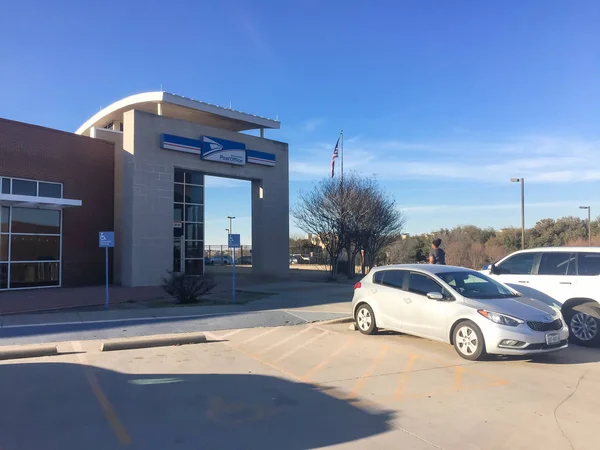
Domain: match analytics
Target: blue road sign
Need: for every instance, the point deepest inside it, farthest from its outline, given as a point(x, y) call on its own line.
point(106, 239)
point(234, 241)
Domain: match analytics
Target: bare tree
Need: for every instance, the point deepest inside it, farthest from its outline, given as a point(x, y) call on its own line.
point(349, 216)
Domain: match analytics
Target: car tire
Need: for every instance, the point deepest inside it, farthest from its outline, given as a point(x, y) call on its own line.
point(468, 341)
point(365, 319)
point(584, 330)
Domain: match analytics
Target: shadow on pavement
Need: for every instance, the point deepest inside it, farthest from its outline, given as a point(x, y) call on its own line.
point(71, 406)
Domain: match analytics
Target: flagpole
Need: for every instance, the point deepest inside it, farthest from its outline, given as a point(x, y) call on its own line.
point(342, 151)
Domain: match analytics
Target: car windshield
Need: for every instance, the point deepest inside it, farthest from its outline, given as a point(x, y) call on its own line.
point(475, 285)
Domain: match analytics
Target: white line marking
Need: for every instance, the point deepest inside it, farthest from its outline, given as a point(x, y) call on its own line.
point(301, 346)
point(283, 341)
point(258, 336)
point(292, 314)
point(226, 335)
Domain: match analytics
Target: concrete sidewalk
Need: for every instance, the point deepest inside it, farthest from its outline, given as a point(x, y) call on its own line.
point(302, 296)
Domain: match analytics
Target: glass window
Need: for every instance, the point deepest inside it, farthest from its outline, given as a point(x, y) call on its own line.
point(53, 190)
point(194, 249)
point(3, 247)
point(475, 285)
point(3, 276)
point(4, 216)
point(24, 187)
point(178, 193)
point(178, 212)
point(6, 185)
point(34, 248)
point(35, 221)
point(194, 231)
point(194, 194)
point(194, 178)
point(521, 264)
point(423, 285)
point(394, 278)
point(179, 175)
point(559, 263)
point(177, 232)
point(194, 213)
point(194, 266)
point(589, 263)
point(24, 275)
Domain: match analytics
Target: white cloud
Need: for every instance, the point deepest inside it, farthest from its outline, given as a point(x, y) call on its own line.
point(539, 159)
point(219, 182)
point(312, 124)
point(428, 209)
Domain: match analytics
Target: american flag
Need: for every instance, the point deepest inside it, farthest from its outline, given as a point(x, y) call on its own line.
point(333, 157)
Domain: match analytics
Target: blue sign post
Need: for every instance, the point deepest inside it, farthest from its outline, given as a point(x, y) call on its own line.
point(233, 242)
point(106, 239)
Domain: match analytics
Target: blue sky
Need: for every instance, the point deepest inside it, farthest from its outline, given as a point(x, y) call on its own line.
point(442, 101)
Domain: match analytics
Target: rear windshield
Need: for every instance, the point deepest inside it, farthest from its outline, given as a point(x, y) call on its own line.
point(589, 263)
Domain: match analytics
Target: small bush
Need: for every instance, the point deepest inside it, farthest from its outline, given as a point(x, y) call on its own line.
point(186, 288)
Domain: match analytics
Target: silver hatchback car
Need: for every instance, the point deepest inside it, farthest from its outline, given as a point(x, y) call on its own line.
point(459, 306)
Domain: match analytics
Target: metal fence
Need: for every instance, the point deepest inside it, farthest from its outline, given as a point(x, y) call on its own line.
point(243, 255)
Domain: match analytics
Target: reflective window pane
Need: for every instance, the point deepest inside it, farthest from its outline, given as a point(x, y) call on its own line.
point(589, 264)
point(24, 275)
point(178, 193)
point(24, 187)
point(6, 185)
point(52, 190)
point(178, 212)
point(3, 276)
point(194, 178)
point(194, 249)
point(194, 266)
point(3, 247)
point(4, 216)
point(194, 194)
point(34, 248)
point(37, 221)
point(179, 175)
point(194, 231)
point(177, 232)
point(194, 213)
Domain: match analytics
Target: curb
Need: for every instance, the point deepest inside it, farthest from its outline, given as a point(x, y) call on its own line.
point(340, 320)
point(29, 352)
point(153, 341)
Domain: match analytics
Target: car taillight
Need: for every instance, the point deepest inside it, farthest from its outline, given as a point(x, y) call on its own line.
point(357, 286)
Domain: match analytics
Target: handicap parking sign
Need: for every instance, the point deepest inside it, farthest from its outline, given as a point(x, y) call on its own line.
point(106, 239)
point(234, 241)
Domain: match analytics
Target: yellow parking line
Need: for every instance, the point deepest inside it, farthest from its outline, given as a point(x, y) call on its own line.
point(258, 336)
point(404, 376)
point(458, 377)
point(308, 376)
point(301, 346)
point(283, 341)
point(363, 379)
point(109, 411)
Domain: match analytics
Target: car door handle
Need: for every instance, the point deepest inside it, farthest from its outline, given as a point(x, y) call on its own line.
point(565, 282)
point(524, 282)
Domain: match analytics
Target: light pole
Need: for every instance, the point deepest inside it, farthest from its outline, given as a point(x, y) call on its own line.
point(522, 181)
point(230, 224)
point(589, 210)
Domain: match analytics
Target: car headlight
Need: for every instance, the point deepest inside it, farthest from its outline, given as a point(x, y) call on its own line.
point(501, 319)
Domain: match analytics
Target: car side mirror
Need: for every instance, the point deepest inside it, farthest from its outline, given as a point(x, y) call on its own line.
point(435, 296)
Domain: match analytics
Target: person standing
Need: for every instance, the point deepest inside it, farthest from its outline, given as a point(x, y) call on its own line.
point(437, 255)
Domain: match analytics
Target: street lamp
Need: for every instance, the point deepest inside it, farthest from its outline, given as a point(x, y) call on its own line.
point(230, 224)
point(522, 181)
point(589, 210)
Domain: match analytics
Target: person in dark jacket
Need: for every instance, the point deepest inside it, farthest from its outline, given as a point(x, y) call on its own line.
point(437, 255)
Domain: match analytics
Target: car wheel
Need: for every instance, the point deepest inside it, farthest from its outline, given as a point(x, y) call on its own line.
point(584, 329)
point(365, 319)
point(468, 341)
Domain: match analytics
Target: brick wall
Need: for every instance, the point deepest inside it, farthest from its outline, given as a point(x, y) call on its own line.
point(85, 166)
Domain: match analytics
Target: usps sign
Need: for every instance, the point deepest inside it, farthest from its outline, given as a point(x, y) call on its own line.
point(223, 151)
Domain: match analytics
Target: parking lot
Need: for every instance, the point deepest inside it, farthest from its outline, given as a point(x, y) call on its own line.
point(299, 387)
